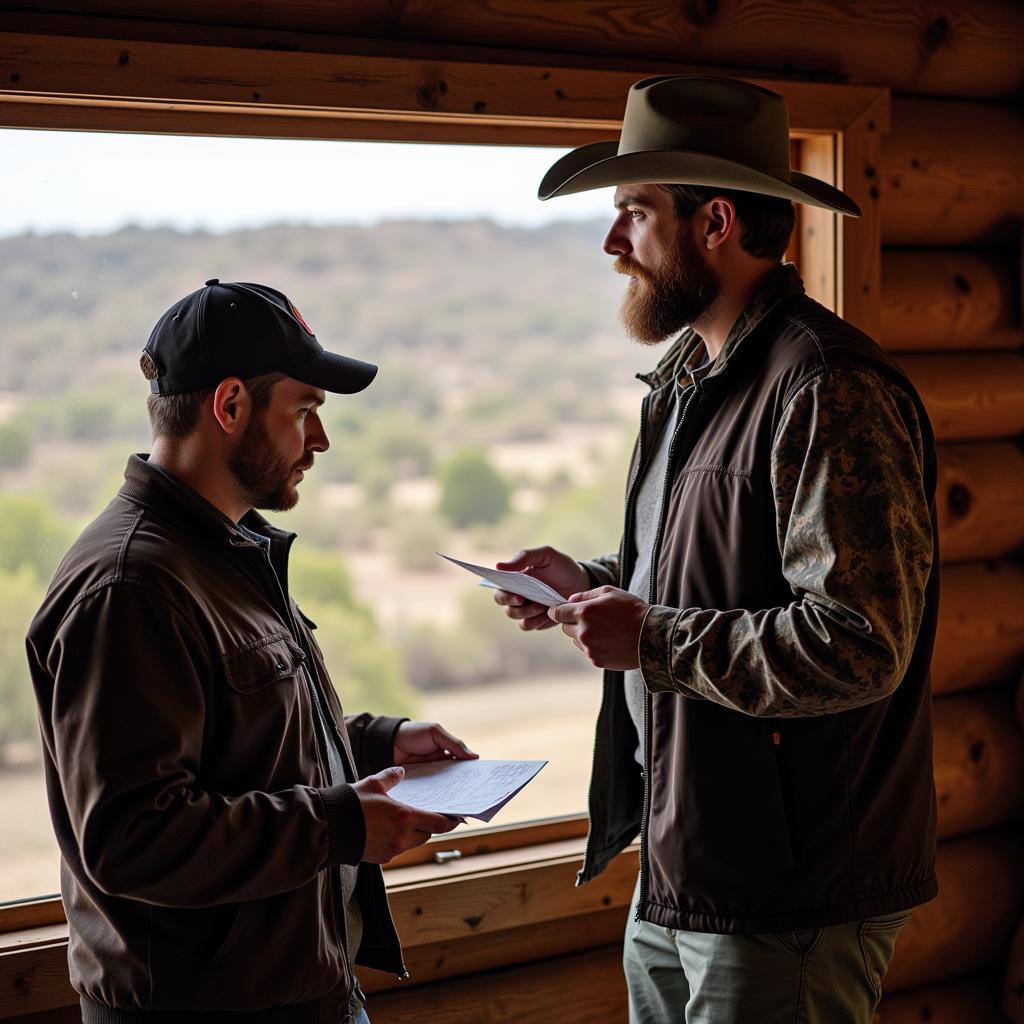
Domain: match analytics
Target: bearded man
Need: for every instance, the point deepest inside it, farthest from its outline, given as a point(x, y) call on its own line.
point(221, 823)
point(767, 623)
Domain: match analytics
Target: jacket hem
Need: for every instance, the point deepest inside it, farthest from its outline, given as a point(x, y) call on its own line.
point(795, 920)
point(294, 1013)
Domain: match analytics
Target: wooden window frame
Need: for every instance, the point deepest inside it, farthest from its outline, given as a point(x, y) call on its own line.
point(480, 907)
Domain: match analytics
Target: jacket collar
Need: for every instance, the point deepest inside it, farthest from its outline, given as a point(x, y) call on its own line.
point(173, 499)
point(687, 352)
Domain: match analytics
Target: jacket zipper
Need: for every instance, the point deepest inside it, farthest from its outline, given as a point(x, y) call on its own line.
point(627, 519)
point(655, 551)
point(307, 667)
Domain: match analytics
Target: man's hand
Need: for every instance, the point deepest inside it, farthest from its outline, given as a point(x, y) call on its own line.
point(604, 624)
point(391, 827)
point(416, 742)
point(555, 569)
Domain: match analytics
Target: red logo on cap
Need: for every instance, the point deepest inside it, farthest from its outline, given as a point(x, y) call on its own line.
point(298, 316)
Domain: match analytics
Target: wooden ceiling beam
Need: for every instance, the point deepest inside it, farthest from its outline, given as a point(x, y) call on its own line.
point(932, 47)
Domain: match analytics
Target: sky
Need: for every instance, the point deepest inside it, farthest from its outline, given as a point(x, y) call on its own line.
point(95, 183)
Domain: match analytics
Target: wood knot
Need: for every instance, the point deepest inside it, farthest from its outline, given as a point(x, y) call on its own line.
point(977, 751)
point(430, 94)
point(123, 58)
point(961, 284)
point(256, 96)
point(15, 77)
point(701, 12)
point(474, 921)
point(936, 32)
point(873, 192)
point(927, 1013)
point(479, 107)
point(958, 501)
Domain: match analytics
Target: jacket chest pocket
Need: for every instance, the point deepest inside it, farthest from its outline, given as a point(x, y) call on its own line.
point(263, 662)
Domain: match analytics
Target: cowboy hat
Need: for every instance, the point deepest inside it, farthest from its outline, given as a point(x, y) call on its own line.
point(694, 130)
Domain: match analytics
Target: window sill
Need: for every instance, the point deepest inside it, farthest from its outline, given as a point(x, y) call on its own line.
point(480, 911)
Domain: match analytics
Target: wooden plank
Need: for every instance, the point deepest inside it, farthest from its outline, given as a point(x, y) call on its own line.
point(578, 989)
point(31, 914)
point(964, 50)
point(860, 238)
point(979, 762)
point(970, 396)
point(35, 980)
point(440, 960)
point(818, 229)
point(55, 68)
point(952, 173)
point(949, 299)
point(956, 1002)
point(980, 636)
point(979, 495)
point(981, 896)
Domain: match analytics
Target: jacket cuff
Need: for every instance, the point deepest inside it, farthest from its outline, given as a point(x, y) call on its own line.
point(654, 648)
point(378, 747)
point(599, 574)
point(346, 825)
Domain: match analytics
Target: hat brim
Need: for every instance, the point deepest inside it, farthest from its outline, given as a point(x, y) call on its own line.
point(340, 375)
point(599, 165)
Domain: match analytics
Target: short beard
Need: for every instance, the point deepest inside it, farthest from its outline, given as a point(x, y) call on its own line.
point(260, 471)
point(671, 296)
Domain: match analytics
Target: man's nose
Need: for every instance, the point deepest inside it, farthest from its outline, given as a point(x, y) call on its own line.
point(317, 440)
point(615, 242)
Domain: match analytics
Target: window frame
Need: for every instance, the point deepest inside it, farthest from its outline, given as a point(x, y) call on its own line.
point(87, 83)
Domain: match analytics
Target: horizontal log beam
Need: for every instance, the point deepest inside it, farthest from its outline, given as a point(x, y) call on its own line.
point(932, 48)
point(979, 763)
point(957, 1002)
point(176, 77)
point(949, 299)
point(979, 497)
point(578, 989)
point(970, 397)
point(980, 635)
point(952, 173)
point(981, 896)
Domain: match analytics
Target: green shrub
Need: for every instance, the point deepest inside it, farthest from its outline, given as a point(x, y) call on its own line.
point(472, 490)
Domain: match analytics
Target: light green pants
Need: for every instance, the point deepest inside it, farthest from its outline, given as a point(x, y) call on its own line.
point(820, 976)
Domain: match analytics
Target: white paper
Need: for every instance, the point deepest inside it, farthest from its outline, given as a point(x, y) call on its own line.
point(464, 789)
point(519, 583)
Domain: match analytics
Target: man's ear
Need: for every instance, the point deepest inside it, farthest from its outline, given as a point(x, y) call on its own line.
point(232, 405)
point(721, 222)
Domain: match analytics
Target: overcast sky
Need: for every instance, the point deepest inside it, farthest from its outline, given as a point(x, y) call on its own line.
point(92, 183)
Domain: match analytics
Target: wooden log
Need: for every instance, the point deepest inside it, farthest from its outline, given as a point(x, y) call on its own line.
point(959, 50)
point(957, 1002)
point(979, 762)
point(970, 397)
point(979, 497)
point(980, 636)
point(948, 299)
point(579, 989)
point(1013, 986)
point(952, 173)
point(981, 896)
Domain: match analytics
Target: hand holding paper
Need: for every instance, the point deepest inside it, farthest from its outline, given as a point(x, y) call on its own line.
point(519, 583)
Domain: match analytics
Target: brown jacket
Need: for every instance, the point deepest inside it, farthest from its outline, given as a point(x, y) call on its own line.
point(199, 841)
point(794, 594)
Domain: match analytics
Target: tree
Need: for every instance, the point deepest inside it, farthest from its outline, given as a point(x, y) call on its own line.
point(32, 534)
point(472, 490)
point(20, 595)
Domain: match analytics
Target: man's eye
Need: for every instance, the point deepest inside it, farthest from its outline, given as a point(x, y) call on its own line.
point(635, 214)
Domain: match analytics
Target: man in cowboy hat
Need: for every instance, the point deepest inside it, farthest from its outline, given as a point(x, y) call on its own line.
point(767, 623)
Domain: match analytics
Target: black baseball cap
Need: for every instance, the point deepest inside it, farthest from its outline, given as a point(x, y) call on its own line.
point(238, 329)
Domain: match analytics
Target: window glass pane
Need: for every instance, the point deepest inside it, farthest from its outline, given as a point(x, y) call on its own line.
point(502, 415)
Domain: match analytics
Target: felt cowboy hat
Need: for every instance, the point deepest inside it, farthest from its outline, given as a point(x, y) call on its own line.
point(694, 130)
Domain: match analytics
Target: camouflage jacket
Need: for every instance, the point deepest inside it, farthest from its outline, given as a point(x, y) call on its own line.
point(793, 600)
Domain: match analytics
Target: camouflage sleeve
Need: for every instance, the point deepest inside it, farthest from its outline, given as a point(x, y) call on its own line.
point(854, 531)
point(603, 570)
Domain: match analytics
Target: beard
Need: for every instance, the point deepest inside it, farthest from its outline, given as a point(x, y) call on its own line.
point(672, 295)
point(263, 475)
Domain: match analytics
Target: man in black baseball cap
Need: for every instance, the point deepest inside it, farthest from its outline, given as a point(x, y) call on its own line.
point(221, 821)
